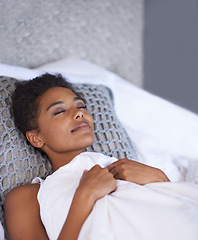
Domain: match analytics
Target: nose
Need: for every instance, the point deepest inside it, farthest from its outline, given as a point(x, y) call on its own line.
point(78, 114)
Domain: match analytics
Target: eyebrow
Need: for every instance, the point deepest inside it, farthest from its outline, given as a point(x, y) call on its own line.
point(61, 102)
point(54, 104)
point(78, 98)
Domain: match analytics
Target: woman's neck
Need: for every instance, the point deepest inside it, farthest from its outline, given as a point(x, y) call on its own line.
point(60, 159)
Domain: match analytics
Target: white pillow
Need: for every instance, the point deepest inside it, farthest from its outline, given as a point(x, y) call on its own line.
point(74, 66)
point(17, 71)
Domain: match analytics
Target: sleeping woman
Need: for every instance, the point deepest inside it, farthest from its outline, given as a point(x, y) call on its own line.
point(54, 119)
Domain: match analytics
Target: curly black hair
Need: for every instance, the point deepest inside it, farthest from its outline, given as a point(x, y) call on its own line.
point(25, 104)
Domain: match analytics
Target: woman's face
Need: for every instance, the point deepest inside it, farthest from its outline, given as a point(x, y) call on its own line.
point(64, 123)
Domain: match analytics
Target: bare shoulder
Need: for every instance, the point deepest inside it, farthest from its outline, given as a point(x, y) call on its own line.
point(22, 213)
point(23, 192)
point(21, 197)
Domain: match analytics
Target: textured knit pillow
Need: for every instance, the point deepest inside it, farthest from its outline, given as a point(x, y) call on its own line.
point(20, 162)
point(111, 138)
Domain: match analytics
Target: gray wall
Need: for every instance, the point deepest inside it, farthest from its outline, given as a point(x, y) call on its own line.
point(108, 33)
point(171, 51)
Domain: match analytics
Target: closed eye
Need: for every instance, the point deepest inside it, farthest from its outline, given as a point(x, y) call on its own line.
point(85, 107)
point(58, 112)
point(80, 104)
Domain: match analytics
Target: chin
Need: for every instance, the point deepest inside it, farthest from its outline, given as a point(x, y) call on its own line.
point(83, 141)
point(88, 143)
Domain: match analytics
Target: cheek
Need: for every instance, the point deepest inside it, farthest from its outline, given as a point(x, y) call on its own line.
point(53, 131)
point(91, 121)
point(56, 138)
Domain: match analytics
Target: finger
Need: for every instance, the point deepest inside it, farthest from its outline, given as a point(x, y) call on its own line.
point(84, 172)
point(95, 168)
point(118, 163)
point(115, 174)
point(113, 165)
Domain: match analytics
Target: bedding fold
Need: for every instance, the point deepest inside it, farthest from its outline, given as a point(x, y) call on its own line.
point(153, 211)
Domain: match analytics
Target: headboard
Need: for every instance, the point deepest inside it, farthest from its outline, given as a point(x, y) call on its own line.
point(108, 33)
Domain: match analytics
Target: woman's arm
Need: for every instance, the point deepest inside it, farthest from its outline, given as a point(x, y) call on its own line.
point(132, 171)
point(94, 184)
point(23, 215)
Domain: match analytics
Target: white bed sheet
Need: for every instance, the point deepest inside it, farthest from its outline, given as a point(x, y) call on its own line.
point(165, 211)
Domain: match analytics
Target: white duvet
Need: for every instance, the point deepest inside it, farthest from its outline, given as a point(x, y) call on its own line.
point(156, 211)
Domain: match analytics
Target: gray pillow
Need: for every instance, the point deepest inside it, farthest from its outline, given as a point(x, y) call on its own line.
point(20, 162)
point(111, 138)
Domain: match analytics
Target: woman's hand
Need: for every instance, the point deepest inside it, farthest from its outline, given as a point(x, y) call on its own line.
point(97, 182)
point(132, 171)
point(94, 184)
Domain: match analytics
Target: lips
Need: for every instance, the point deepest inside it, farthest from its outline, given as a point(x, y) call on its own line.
point(81, 126)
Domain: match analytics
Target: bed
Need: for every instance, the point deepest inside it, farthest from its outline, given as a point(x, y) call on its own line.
point(153, 130)
point(166, 139)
